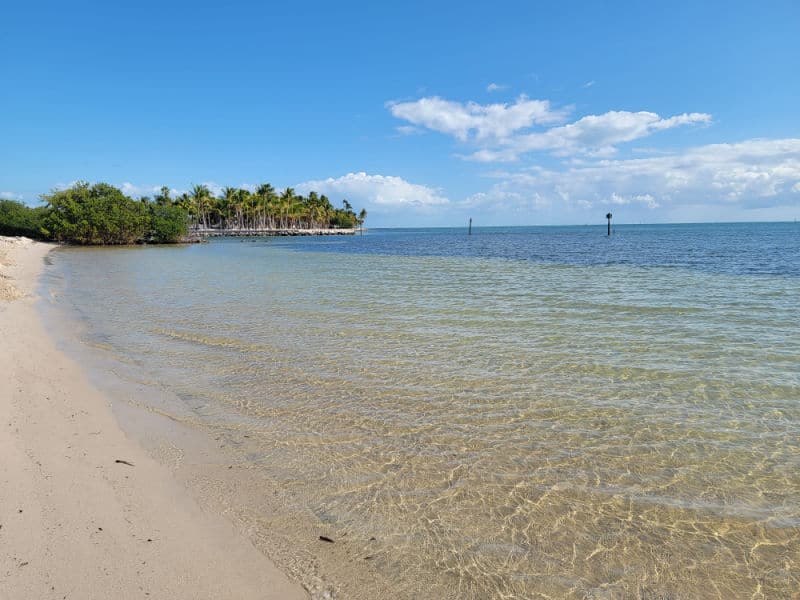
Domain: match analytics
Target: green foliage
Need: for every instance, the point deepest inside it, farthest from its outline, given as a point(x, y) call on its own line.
point(265, 209)
point(343, 219)
point(162, 197)
point(18, 219)
point(99, 214)
point(168, 224)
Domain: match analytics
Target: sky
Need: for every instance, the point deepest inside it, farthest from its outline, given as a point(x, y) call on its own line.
point(424, 113)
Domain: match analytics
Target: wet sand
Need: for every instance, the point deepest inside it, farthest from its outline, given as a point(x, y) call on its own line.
point(76, 521)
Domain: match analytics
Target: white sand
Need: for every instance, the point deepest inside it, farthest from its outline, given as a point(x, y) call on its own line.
point(74, 523)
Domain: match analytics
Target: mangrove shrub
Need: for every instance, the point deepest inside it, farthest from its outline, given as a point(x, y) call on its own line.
point(95, 214)
point(18, 219)
point(167, 223)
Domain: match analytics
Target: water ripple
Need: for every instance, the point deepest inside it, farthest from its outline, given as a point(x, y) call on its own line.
point(484, 427)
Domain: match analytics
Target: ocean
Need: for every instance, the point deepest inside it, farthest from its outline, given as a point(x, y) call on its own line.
point(524, 412)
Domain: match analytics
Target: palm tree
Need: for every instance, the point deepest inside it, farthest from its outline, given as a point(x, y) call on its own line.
point(228, 205)
point(362, 216)
point(286, 199)
point(162, 198)
point(265, 194)
point(184, 202)
point(237, 208)
point(299, 211)
point(201, 198)
point(327, 210)
point(245, 198)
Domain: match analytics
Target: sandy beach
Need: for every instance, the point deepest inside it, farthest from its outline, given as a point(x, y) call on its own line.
point(85, 512)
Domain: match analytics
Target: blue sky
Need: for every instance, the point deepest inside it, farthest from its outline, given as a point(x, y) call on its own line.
point(425, 113)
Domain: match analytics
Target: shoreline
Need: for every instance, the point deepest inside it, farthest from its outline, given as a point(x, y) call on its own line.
point(74, 521)
point(261, 421)
point(276, 232)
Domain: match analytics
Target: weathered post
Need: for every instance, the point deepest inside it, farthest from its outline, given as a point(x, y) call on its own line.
point(608, 216)
point(470, 226)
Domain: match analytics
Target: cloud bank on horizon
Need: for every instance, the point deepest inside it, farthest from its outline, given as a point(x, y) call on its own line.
point(751, 175)
point(381, 193)
point(723, 181)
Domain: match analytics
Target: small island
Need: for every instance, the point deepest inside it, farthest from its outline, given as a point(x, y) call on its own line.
point(101, 214)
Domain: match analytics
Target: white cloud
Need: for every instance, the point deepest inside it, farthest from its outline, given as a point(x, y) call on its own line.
point(482, 122)
point(754, 174)
point(408, 130)
point(10, 196)
point(137, 191)
point(496, 87)
point(594, 135)
point(379, 191)
point(502, 132)
point(130, 189)
point(486, 155)
point(645, 199)
point(213, 187)
point(589, 84)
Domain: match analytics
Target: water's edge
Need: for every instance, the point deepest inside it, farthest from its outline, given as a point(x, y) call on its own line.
point(207, 463)
point(461, 427)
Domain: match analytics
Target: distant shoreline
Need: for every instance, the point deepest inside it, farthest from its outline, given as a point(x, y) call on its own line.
point(269, 232)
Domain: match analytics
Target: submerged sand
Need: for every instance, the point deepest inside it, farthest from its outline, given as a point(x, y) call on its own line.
point(75, 521)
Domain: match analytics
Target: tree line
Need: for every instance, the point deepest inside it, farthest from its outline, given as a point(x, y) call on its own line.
point(101, 214)
point(263, 208)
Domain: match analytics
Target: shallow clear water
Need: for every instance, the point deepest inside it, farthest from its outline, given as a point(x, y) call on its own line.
point(526, 412)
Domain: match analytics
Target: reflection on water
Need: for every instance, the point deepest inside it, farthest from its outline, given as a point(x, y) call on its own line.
point(475, 428)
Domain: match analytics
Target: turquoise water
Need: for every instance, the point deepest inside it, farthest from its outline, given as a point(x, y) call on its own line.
point(520, 413)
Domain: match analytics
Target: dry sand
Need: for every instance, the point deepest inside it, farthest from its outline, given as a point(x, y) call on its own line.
point(74, 523)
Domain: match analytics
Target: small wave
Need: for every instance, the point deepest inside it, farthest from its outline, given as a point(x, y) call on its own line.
point(207, 340)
